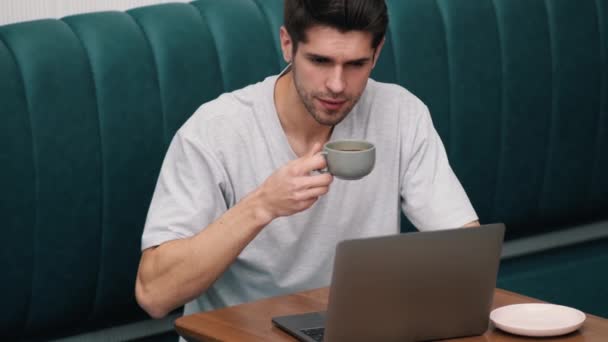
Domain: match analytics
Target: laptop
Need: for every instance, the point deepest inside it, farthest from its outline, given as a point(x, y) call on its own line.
point(416, 286)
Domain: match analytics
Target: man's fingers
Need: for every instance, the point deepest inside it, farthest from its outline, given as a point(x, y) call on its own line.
point(308, 203)
point(314, 163)
point(313, 160)
point(315, 181)
point(316, 148)
point(313, 193)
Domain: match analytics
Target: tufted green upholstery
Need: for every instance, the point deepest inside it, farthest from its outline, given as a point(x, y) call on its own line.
point(88, 104)
point(517, 90)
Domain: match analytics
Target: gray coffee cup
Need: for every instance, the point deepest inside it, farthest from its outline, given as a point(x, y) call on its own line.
point(349, 159)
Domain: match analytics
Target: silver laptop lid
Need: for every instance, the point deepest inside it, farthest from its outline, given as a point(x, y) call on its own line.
point(414, 287)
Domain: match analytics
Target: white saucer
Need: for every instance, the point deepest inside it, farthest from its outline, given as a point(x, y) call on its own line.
point(537, 319)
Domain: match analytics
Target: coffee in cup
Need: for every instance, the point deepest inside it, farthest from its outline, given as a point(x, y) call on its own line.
point(349, 159)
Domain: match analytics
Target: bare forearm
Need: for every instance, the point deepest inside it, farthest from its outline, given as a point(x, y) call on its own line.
point(174, 273)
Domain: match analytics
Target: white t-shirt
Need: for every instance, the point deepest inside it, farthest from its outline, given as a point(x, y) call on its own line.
point(232, 144)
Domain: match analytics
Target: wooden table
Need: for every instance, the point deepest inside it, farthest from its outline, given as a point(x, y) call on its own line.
point(251, 321)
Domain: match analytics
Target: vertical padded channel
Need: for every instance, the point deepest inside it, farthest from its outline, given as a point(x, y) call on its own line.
point(131, 133)
point(65, 130)
point(527, 80)
point(576, 80)
point(598, 193)
point(186, 61)
point(17, 197)
point(421, 56)
point(272, 11)
point(415, 57)
point(475, 89)
point(247, 50)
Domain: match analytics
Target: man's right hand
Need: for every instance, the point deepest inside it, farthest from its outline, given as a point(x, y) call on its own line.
point(178, 271)
point(294, 187)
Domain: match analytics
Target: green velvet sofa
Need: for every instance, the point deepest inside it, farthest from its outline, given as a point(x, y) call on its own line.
point(518, 90)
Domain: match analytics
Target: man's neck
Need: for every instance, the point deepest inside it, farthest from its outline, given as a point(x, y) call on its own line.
point(301, 129)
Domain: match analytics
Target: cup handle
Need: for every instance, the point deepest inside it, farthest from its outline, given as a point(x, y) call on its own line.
point(324, 170)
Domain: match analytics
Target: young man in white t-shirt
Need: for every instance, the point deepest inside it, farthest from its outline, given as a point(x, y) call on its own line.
point(238, 212)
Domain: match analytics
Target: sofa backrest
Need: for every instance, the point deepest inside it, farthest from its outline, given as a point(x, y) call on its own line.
point(517, 90)
point(89, 103)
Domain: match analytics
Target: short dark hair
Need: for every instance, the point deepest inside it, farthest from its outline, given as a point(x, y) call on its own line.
point(345, 15)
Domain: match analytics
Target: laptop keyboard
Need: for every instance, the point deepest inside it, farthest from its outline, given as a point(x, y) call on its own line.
point(314, 333)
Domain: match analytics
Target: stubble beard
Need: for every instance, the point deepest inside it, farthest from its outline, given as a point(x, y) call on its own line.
point(332, 117)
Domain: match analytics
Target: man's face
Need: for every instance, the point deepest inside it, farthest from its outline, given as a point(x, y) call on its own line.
point(331, 70)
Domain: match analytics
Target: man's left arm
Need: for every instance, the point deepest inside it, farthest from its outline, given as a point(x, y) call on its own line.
point(433, 196)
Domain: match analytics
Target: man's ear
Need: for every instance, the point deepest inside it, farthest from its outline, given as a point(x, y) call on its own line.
point(377, 51)
point(286, 44)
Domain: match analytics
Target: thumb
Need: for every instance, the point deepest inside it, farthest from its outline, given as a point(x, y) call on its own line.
point(316, 148)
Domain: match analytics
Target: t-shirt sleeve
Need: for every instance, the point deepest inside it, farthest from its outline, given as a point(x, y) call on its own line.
point(188, 195)
point(432, 196)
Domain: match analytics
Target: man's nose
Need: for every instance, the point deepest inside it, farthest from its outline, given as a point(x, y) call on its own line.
point(335, 81)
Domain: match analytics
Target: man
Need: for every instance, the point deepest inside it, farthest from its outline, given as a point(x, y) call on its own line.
point(239, 213)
